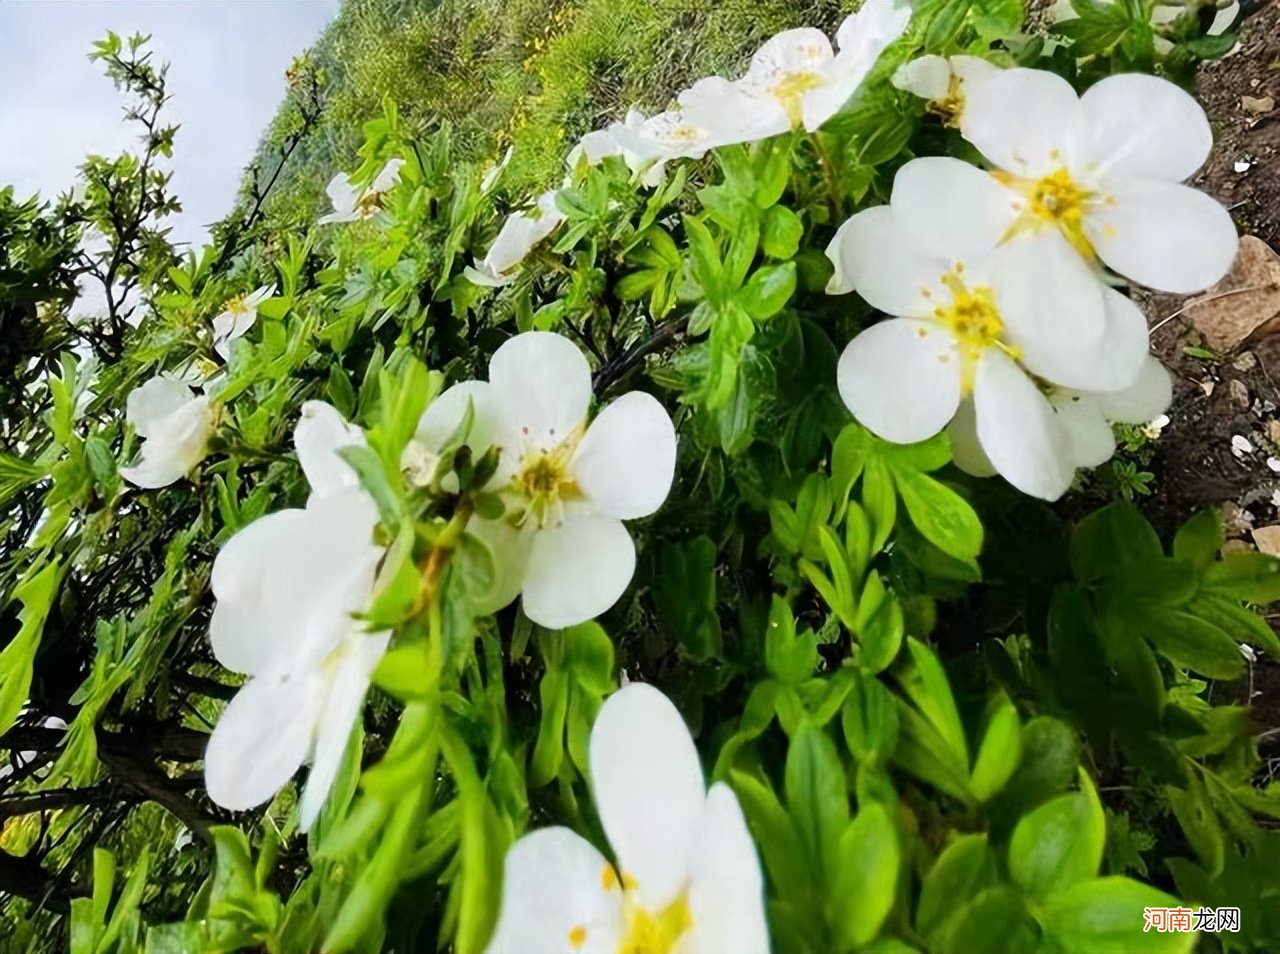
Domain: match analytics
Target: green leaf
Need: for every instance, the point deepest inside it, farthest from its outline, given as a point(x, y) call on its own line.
point(816, 796)
point(1239, 622)
point(36, 593)
point(1060, 843)
point(863, 890)
point(768, 290)
point(994, 922)
point(1109, 538)
point(1199, 539)
point(944, 517)
point(999, 752)
point(548, 751)
point(1049, 755)
point(929, 689)
point(782, 232)
point(1104, 915)
point(790, 657)
point(869, 719)
point(1253, 577)
point(404, 672)
point(1195, 643)
point(965, 868)
point(775, 835)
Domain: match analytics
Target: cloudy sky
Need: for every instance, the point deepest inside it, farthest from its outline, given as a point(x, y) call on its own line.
point(227, 57)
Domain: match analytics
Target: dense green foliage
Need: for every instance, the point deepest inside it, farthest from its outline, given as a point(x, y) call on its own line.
point(956, 718)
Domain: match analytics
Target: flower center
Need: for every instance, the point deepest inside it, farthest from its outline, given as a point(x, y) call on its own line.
point(544, 481)
point(1055, 200)
point(973, 317)
point(949, 108)
point(369, 203)
point(790, 90)
point(646, 932)
point(235, 304)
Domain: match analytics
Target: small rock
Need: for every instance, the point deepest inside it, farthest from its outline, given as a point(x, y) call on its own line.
point(1273, 464)
point(1258, 104)
point(1240, 445)
point(1267, 539)
point(1207, 386)
point(1246, 362)
point(1245, 304)
point(1273, 432)
point(1235, 546)
point(1236, 521)
point(1237, 393)
point(1242, 166)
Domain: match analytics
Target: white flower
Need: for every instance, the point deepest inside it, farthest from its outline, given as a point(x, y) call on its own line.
point(965, 330)
point(687, 877)
point(567, 484)
point(443, 416)
point(237, 317)
point(646, 144)
point(1083, 421)
point(492, 177)
point(944, 82)
point(516, 239)
point(1078, 179)
point(351, 203)
point(287, 587)
point(796, 79)
point(175, 424)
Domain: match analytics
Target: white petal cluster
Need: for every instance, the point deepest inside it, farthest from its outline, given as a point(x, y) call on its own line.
point(288, 589)
point(175, 424)
point(568, 482)
point(1004, 330)
point(237, 317)
point(516, 239)
point(352, 203)
point(687, 877)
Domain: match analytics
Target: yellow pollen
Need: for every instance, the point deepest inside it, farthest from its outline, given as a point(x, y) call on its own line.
point(950, 107)
point(544, 481)
point(369, 203)
point(235, 304)
point(1053, 200)
point(974, 319)
point(609, 878)
point(578, 936)
point(790, 89)
point(655, 933)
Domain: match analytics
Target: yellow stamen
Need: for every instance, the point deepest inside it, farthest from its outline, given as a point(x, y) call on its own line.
point(974, 318)
point(949, 108)
point(235, 304)
point(544, 482)
point(1054, 200)
point(790, 90)
point(660, 933)
point(578, 936)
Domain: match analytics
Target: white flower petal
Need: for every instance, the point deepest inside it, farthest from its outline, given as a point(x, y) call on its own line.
point(1145, 399)
point(952, 208)
point(649, 790)
point(577, 569)
point(263, 736)
point(1144, 127)
point(388, 177)
point(1025, 121)
point(874, 256)
point(177, 443)
point(1049, 297)
point(928, 77)
point(320, 433)
point(555, 898)
point(627, 459)
point(541, 387)
point(510, 548)
point(348, 681)
point(799, 51)
point(1088, 433)
point(1166, 236)
point(862, 37)
point(726, 889)
point(1019, 430)
point(153, 471)
point(147, 406)
point(901, 379)
point(966, 448)
point(729, 114)
point(445, 414)
point(519, 234)
point(1109, 364)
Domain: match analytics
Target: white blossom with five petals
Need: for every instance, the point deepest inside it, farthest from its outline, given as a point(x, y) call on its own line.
point(1078, 181)
point(352, 203)
point(687, 879)
point(964, 330)
point(795, 79)
point(288, 587)
point(175, 424)
point(567, 483)
point(238, 315)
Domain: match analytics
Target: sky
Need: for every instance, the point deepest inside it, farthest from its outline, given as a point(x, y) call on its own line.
point(228, 59)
